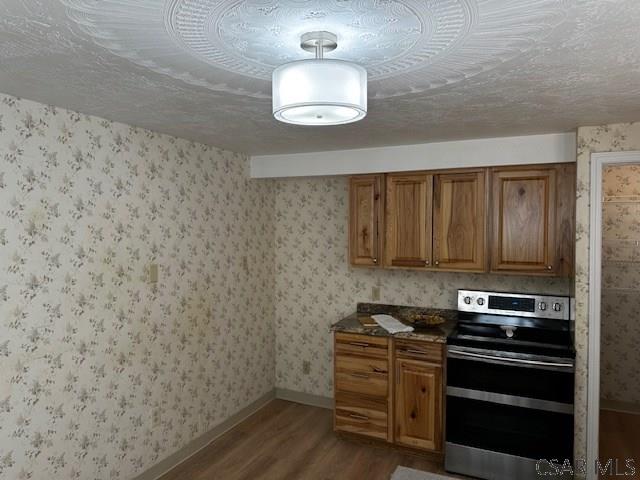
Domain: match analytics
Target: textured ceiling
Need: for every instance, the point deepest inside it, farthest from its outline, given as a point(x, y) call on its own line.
point(439, 69)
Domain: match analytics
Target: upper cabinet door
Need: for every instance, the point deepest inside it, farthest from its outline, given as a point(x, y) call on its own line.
point(365, 223)
point(459, 221)
point(409, 220)
point(524, 221)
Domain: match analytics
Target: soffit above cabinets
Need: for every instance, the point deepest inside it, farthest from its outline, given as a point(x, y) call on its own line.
point(484, 152)
point(438, 69)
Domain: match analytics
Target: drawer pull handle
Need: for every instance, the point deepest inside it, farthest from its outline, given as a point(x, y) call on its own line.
point(379, 370)
point(359, 417)
point(415, 352)
point(359, 344)
point(360, 375)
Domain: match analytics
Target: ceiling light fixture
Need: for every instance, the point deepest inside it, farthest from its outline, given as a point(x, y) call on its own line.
point(319, 91)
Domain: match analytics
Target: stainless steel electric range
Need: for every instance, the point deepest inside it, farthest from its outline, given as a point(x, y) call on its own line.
point(510, 385)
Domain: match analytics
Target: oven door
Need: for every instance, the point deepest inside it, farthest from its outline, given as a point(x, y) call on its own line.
point(506, 413)
point(514, 374)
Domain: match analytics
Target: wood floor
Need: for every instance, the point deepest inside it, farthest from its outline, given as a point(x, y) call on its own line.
point(620, 439)
point(289, 441)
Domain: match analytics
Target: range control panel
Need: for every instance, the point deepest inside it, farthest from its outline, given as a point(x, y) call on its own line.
point(523, 305)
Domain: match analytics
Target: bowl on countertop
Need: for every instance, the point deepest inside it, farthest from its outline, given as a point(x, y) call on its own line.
point(424, 320)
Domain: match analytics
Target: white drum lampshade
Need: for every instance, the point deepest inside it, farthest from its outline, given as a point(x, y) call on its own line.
point(319, 91)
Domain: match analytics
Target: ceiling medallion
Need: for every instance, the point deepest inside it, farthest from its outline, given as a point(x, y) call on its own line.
point(407, 46)
point(252, 37)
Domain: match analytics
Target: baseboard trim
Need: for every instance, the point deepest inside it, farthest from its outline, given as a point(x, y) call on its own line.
point(618, 406)
point(304, 398)
point(199, 443)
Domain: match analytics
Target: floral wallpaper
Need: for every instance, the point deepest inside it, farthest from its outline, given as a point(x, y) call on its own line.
point(620, 322)
point(605, 138)
point(315, 286)
point(103, 373)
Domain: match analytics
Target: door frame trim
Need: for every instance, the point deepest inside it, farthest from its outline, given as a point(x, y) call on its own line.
point(598, 161)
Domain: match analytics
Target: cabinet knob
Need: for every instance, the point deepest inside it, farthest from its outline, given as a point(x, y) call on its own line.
point(427, 262)
point(549, 267)
point(436, 263)
point(375, 260)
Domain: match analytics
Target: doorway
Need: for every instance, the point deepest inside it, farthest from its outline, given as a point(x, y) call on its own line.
point(614, 330)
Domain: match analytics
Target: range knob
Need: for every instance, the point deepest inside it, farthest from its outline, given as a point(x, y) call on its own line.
point(467, 300)
point(557, 307)
point(542, 306)
point(480, 301)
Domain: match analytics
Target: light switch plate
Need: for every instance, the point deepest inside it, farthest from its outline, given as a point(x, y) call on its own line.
point(375, 294)
point(153, 273)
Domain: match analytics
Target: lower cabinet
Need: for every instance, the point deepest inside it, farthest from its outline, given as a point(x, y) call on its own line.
point(389, 390)
point(418, 405)
point(362, 414)
point(362, 386)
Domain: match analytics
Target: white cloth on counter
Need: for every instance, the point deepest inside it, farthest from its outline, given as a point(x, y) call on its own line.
point(391, 324)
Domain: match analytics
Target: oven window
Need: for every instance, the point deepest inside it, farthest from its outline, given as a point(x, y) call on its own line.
point(535, 434)
point(511, 380)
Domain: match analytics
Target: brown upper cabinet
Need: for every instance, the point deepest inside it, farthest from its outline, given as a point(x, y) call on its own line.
point(532, 219)
point(409, 220)
point(566, 218)
point(366, 217)
point(459, 220)
point(517, 220)
point(436, 221)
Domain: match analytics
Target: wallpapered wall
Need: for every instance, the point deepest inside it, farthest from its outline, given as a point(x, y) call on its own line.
point(315, 287)
point(620, 321)
point(102, 374)
point(606, 138)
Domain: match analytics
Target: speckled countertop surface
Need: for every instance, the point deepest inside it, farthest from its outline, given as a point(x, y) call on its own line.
point(437, 334)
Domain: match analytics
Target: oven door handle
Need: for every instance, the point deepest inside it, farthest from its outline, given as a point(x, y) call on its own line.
point(508, 360)
point(513, 400)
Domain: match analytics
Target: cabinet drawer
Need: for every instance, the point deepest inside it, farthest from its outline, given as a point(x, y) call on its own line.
point(425, 351)
point(368, 376)
point(352, 344)
point(361, 415)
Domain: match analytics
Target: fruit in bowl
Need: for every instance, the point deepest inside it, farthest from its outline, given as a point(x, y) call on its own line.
point(418, 319)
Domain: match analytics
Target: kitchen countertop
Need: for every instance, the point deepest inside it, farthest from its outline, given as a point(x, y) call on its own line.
point(436, 334)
